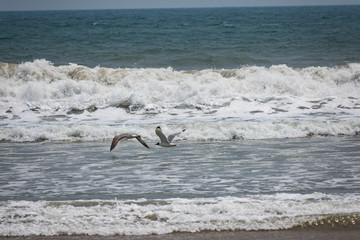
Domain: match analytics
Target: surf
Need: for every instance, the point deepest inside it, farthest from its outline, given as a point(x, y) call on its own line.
point(63, 102)
point(163, 216)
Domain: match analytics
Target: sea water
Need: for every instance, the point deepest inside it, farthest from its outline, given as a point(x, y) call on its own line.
point(190, 39)
point(54, 188)
point(269, 98)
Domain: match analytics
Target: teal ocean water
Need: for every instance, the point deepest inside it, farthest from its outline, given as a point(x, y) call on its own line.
point(269, 98)
point(184, 38)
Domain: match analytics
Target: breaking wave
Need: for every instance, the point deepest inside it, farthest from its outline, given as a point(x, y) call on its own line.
point(70, 101)
point(144, 217)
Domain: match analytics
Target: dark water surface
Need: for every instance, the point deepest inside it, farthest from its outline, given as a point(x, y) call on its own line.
point(184, 38)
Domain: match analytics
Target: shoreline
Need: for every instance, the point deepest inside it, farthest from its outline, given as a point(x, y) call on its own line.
point(296, 234)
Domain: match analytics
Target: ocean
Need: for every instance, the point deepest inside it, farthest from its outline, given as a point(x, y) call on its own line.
point(269, 98)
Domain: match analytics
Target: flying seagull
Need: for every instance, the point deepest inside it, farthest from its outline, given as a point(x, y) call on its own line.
point(166, 142)
point(117, 138)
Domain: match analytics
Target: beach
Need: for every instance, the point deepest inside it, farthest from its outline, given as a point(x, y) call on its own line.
point(267, 101)
point(262, 235)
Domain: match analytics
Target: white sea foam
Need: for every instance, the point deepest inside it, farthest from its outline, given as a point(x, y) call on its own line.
point(280, 101)
point(199, 131)
point(144, 217)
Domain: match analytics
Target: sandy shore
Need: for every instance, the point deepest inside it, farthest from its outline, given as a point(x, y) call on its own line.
point(308, 234)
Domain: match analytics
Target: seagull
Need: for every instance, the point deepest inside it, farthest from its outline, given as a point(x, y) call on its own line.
point(117, 138)
point(166, 142)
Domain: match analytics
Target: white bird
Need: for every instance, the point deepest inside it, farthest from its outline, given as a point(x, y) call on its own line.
point(117, 138)
point(166, 142)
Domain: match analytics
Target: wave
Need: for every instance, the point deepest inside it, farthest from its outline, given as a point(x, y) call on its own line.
point(40, 81)
point(281, 100)
point(145, 217)
point(198, 131)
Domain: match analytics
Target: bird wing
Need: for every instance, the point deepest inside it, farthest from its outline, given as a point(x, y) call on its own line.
point(142, 141)
point(162, 137)
point(172, 136)
point(116, 139)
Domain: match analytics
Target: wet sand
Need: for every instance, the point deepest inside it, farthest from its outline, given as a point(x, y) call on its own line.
point(303, 234)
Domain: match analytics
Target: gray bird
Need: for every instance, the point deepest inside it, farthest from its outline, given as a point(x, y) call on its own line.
point(117, 138)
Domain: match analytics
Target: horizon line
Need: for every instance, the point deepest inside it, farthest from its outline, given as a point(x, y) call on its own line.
point(158, 8)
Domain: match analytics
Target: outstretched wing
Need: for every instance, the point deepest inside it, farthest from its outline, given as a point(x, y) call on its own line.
point(116, 139)
point(172, 136)
point(142, 141)
point(162, 137)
